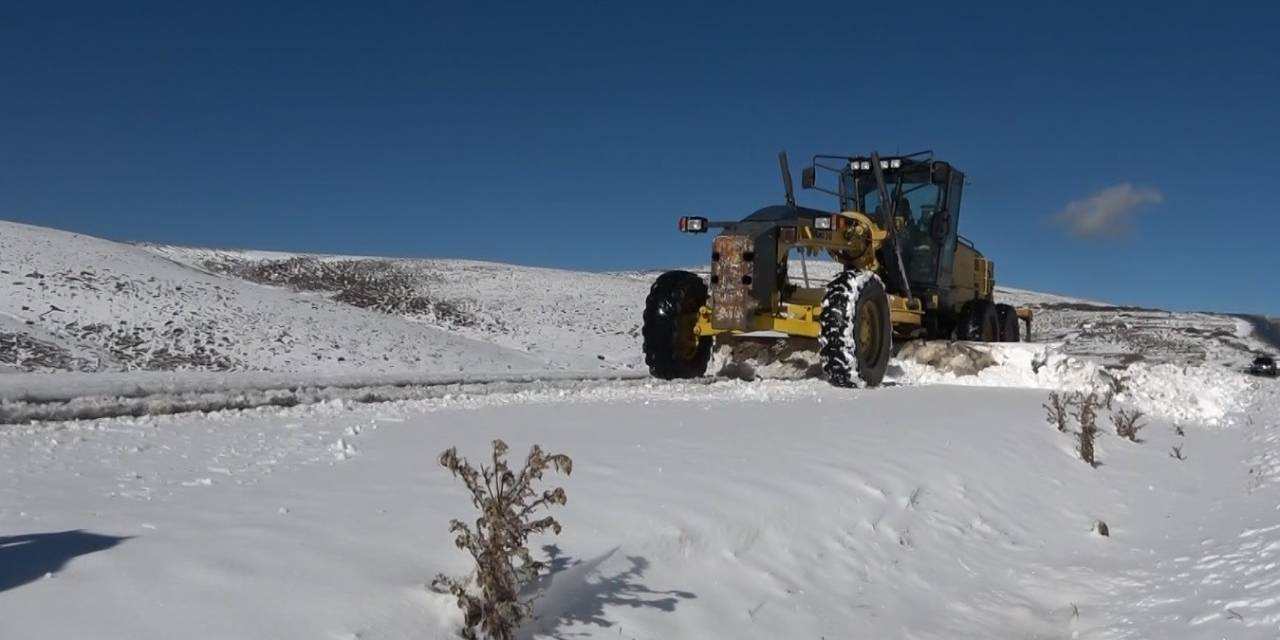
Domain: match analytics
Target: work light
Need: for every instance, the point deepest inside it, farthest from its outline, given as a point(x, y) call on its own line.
point(693, 224)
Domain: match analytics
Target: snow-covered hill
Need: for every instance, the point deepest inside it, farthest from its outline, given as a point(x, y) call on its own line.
point(78, 303)
point(565, 319)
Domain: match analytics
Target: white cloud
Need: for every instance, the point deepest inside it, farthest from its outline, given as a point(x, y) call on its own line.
point(1108, 213)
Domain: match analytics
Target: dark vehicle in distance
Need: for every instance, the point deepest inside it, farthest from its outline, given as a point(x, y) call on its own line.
point(1263, 366)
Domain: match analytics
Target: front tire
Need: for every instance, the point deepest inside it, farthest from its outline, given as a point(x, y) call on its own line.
point(671, 349)
point(856, 335)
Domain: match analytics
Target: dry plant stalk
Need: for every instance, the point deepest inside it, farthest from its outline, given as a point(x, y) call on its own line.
point(1087, 416)
point(1115, 386)
point(1127, 423)
point(1176, 454)
point(1057, 410)
point(507, 502)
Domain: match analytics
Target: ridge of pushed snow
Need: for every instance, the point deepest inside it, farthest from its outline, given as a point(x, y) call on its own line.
point(1185, 393)
point(61, 397)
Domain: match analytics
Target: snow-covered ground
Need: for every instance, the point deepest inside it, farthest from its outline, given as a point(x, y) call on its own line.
point(304, 501)
point(732, 509)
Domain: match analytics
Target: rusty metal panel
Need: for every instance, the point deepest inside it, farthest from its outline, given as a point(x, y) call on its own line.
point(731, 269)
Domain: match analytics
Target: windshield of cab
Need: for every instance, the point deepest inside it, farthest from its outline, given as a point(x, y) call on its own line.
point(914, 199)
point(915, 203)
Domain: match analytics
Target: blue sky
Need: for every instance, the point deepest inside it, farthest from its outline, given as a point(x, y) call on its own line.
point(573, 134)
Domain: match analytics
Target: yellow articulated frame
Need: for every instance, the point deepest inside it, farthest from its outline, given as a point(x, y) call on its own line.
point(802, 319)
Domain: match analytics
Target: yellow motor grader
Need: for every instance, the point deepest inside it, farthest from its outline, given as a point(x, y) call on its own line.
point(906, 273)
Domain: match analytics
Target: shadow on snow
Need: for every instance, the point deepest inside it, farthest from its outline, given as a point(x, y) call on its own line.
point(27, 558)
point(578, 593)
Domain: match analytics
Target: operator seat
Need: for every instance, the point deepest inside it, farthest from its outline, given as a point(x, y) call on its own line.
point(919, 249)
point(903, 210)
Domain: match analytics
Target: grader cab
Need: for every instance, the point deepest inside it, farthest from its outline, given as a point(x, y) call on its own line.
point(906, 273)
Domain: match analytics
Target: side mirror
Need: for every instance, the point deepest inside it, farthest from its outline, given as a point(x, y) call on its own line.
point(808, 178)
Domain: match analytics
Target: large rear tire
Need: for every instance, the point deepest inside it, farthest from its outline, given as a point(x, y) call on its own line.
point(855, 336)
point(1007, 318)
point(978, 322)
point(671, 349)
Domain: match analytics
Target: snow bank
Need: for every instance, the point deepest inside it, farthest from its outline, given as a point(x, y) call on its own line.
point(766, 358)
point(1195, 394)
point(1187, 394)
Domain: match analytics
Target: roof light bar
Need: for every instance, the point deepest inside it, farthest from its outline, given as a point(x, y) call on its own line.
point(865, 165)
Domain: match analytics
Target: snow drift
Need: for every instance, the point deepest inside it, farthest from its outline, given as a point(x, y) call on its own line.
point(1186, 393)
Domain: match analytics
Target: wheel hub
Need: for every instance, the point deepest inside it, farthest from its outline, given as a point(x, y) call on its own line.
point(686, 343)
point(868, 333)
